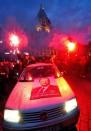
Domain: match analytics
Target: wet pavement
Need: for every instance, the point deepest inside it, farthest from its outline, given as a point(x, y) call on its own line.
point(82, 89)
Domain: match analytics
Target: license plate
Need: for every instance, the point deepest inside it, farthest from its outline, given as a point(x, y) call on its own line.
point(52, 128)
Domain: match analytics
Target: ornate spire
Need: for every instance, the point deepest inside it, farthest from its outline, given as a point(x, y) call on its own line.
point(43, 20)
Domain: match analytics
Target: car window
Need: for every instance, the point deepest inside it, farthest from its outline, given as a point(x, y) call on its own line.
point(39, 71)
point(42, 71)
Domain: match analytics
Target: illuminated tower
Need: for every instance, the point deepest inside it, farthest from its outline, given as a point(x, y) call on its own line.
point(43, 21)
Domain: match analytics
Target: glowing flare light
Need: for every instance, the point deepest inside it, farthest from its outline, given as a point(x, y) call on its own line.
point(71, 46)
point(14, 40)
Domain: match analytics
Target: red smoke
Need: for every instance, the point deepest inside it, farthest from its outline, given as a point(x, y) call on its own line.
point(15, 29)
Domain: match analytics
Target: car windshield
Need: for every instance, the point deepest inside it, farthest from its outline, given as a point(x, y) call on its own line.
point(36, 72)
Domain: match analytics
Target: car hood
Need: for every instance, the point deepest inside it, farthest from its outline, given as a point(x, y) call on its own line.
point(20, 97)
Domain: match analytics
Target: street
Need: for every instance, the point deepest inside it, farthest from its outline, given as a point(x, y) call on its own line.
point(82, 89)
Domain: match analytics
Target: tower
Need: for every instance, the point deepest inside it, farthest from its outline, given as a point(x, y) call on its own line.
point(43, 21)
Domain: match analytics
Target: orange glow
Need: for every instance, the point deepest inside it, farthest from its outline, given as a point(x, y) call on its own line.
point(64, 87)
point(30, 78)
point(38, 28)
point(58, 74)
point(47, 29)
point(70, 45)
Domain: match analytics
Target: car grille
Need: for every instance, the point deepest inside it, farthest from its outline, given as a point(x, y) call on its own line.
point(35, 117)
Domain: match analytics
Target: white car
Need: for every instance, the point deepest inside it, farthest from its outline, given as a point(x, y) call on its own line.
point(41, 100)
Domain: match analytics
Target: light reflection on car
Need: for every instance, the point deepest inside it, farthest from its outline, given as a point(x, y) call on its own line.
point(41, 99)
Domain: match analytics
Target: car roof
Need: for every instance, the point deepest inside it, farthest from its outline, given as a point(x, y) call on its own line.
point(40, 64)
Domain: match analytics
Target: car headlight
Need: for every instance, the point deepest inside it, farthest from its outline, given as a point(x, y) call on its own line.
point(70, 105)
point(12, 116)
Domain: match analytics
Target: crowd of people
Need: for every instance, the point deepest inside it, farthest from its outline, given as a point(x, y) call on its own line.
point(10, 70)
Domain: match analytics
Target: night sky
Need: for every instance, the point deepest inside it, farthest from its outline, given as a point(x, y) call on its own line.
point(71, 17)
